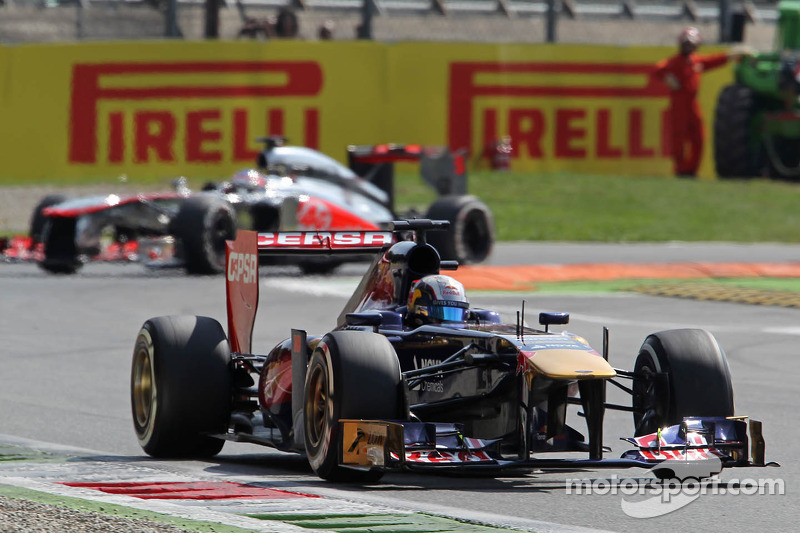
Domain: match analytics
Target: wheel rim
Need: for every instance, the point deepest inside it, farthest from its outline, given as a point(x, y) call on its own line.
point(143, 389)
point(317, 405)
point(648, 411)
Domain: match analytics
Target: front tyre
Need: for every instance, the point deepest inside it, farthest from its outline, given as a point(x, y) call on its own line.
point(37, 217)
point(60, 249)
point(471, 235)
point(351, 374)
point(698, 379)
point(180, 386)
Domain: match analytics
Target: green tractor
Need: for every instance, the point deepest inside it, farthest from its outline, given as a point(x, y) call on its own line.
point(757, 119)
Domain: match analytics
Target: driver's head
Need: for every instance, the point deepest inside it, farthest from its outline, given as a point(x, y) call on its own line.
point(436, 300)
point(248, 180)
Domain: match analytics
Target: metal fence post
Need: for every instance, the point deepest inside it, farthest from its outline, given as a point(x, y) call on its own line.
point(171, 19)
point(365, 28)
point(551, 18)
point(725, 21)
point(212, 19)
point(79, 21)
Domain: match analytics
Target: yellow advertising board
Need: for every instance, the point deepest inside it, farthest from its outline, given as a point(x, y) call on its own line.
point(195, 109)
point(162, 109)
point(589, 109)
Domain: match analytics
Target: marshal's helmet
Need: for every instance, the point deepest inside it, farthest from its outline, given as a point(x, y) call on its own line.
point(437, 299)
point(690, 35)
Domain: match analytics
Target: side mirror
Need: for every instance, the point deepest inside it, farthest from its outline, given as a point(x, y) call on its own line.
point(547, 319)
point(364, 319)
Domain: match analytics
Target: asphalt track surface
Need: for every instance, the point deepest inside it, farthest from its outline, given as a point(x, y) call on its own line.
point(67, 344)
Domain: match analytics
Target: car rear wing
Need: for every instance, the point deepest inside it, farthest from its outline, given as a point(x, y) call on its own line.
point(443, 170)
point(241, 262)
point(385, 153)
point(318, 242)
point(323, 242)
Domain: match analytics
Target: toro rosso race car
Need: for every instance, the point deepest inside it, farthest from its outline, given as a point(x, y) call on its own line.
point(414, 378)
point(293, 188)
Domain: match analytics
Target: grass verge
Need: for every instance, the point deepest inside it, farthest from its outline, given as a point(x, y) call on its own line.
point(571, 207)
point(597, 208)
point(762, 284)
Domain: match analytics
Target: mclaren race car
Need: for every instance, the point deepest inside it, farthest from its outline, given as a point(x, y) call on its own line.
point(414, 378)
point(293, 188)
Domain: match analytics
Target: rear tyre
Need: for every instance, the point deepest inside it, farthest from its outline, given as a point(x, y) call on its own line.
point(698, 379)
point(180, 386)
point(470, 238)
point(203, 224)
point(351, 374)
point(737, 153)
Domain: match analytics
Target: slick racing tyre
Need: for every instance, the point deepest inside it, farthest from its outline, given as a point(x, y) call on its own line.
point(470, 237)
point(38, 219)
point(736, 152)
point(180, 386)
point(351, 374)
point(698, 379)
point(60, 249)
point(203, 224)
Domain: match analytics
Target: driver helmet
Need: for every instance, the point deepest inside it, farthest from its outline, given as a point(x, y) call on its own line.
point(248, 180)
point(437, 299)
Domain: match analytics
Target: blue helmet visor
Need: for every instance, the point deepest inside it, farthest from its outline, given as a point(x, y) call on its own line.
point(448, 313)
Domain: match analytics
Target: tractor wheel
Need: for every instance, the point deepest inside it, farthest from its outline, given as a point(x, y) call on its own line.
point(737, 151)
point(783, 157)
point(698, 379)
point(351, 374)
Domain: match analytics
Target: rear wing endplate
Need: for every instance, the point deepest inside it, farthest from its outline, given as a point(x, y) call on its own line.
point(241, 289)
point(241, 262)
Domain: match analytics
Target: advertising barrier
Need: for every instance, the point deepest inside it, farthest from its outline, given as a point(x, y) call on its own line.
point(163, 109)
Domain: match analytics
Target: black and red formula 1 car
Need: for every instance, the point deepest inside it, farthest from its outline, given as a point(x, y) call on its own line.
point(414, 378)
point(293, 188)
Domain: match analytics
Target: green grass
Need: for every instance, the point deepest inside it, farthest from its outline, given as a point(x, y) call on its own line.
point(624, 285)
point(568, 207)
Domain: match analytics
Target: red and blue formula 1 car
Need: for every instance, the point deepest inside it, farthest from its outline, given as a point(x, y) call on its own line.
point(414, 378)
point(293, 188)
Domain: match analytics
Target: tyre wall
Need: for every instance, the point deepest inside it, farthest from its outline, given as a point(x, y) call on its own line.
point(154, 110)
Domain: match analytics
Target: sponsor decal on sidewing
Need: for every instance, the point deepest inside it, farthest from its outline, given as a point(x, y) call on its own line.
point(438, 456)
